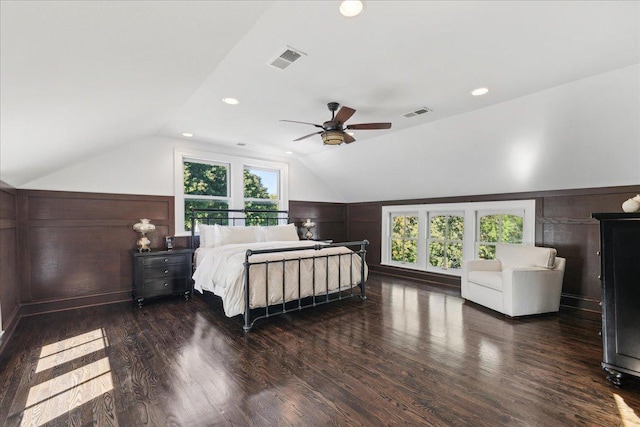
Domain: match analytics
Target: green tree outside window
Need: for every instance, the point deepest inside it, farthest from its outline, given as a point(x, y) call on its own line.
point(496, 228)
point(445, 241)
point(404, 240)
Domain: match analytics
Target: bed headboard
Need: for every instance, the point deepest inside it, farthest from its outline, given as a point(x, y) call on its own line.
point(235, 217)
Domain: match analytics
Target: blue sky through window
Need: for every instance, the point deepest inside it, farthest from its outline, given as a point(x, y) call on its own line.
point(269, 179)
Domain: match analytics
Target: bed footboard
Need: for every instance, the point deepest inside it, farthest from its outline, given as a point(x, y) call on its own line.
point(320, 294)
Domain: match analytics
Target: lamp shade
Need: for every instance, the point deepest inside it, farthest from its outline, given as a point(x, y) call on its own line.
point(332, 137)
point(144, 226)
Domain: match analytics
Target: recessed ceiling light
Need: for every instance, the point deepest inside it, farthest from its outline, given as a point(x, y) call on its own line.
point(230, 101)
point(187, 134)
point(479, 91)
point(351, 8)
point(289, 152)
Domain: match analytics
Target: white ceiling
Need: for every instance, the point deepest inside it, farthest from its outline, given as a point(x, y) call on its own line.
point(79, 78)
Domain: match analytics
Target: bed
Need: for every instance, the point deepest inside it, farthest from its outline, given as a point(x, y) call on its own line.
point(256, 263)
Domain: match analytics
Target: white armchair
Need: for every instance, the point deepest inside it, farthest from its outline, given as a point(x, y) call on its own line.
point(521, 280)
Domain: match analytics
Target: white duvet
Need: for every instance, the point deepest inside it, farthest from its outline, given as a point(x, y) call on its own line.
point(220, 270)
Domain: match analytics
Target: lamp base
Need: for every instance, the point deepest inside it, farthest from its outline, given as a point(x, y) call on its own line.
point(143, 244)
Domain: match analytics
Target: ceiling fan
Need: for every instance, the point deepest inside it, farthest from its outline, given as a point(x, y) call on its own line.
point(334, 131)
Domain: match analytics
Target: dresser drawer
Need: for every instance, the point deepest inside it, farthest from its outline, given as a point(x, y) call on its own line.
point(169, 270)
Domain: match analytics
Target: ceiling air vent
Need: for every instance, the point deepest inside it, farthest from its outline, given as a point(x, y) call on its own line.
point(419, 111)
point(286, 58)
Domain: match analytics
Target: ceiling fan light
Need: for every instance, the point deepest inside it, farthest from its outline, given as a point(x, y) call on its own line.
point(332, 137)
point(351, 8)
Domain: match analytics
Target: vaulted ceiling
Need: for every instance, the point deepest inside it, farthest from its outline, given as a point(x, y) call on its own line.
point(80, 78)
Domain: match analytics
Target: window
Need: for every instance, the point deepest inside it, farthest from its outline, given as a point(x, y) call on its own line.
point(441, 237)
point(498, 227)
point(404, 241)
point(206, 185)
point(445, 240)
point(209, 180)
point(261, 193)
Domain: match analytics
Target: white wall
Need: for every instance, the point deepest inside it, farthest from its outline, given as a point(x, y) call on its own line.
point(146, 167)
point(579, 135)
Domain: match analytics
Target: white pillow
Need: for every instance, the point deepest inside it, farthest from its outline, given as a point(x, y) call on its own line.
point(280, 233)
point(231, 235)
point(208, 235)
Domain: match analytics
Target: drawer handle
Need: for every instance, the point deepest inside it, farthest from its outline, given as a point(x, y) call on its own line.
point(166, 271)
point(166, 284)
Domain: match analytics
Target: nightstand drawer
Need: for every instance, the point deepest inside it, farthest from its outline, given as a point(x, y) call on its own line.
point(159, 261)
point(161, 287)
point(169, 270)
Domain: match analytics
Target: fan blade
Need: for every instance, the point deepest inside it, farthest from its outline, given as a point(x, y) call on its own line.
point(370, 126)
point(304, 123)
point(343, 115)
point(348, 139)
point(307, 136)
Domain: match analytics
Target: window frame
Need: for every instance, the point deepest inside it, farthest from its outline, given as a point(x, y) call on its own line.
point(470, 210)
point(236, 167)
point(404, 236)
point(444, 240)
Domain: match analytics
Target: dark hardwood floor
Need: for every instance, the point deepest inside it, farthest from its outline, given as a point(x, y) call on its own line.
point(411, 354)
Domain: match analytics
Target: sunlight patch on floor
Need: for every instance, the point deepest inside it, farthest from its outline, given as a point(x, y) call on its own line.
point(58, 395)
point(67, 350)
point(627, 415)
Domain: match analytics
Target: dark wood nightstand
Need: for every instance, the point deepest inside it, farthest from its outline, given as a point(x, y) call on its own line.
point(159, 273)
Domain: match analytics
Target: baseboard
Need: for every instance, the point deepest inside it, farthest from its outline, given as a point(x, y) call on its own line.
point(35, 308)
point(422, 276)
point(580, 303)
point(11, 325)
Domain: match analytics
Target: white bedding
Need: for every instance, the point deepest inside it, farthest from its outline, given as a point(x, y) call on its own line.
point(220, 270)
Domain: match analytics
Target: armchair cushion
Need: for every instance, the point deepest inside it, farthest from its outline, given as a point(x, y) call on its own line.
point(513, 256)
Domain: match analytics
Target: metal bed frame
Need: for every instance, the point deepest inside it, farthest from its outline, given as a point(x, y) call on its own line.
point(228, 217)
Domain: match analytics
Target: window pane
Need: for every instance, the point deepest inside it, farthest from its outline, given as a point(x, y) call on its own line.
point(438, 227)
point(398, 226)
point(454, 255)
point(489, 226)
point(456, 227)
point(261, 184)
point(410, 251)
point(205, 204)
point(397, 252)
point(258, 218)
point(412, 226)
point(487, 252)
point(436, 254)
point(512, 228)
point(205, 179)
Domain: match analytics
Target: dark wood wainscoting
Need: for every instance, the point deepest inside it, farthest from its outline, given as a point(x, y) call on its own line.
point(9, 277)
point(75, 247)
point(563, 221)
point(329, 219)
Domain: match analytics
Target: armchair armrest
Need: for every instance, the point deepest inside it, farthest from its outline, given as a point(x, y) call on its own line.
point(475, 265)
point(483, 265)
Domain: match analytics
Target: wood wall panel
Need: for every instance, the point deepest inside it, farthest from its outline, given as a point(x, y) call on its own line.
point(77, 248)
point(563, 221)
point(9, 263)
point(329, 219)
point(84, 206)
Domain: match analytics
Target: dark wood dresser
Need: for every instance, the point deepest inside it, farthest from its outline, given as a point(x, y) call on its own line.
point(620, 276)
point(159, 273)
